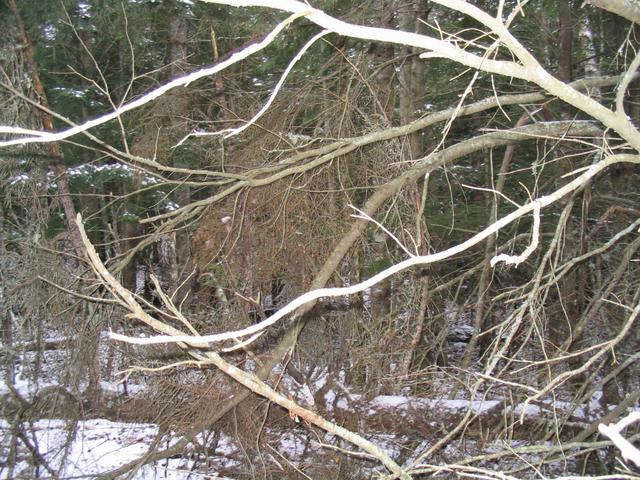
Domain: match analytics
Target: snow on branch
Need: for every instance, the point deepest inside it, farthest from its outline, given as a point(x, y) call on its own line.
point(613, 432)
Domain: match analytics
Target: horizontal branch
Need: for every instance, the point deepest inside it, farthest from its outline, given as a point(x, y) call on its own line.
point(444, 48)
point(339, 148)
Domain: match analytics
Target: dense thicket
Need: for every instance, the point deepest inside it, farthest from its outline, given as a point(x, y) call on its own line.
point(370, 153)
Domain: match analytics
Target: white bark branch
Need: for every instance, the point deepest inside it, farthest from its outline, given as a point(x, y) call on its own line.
point(535, 238)
point(629, 9)
point(529, 69)
point(48, 137)
point(247, 379)
point(612, 431)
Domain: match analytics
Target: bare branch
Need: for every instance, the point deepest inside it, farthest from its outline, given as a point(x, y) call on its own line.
point(44, 137)
point(629, 9)
point(613, 431)
point(249, 380)
point(529, 69)
point(535, 237)
point(230, 132)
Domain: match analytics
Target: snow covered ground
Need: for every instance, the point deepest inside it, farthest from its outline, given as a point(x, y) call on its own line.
point(402, 425)
point(86, 448)
point(92, 447)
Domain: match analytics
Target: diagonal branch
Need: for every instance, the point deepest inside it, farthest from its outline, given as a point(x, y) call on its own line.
point(529, 69)
point(249, 380)
point(43, 137)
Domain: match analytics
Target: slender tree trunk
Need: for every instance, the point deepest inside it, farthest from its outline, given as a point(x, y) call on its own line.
point(54, 151)
point(411, 16)
point(486, 274)
point(62, 181)
point(180, 103)
point(381, 58)
point(565, 39)
point(592, 64)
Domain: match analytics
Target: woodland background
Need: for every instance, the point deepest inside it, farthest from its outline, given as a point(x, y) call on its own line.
point(369, 153)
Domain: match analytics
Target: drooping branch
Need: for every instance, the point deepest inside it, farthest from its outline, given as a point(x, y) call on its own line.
point(528, 68)
point(322, 155)
point(197, 349)
point(46, 137)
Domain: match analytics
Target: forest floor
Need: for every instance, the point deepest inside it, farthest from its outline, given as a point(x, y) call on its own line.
point(83, 445)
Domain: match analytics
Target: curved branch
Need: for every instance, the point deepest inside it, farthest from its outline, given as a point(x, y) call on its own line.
point(342, 147)
point(529, 70)
point(44, 137)
point(249, 380)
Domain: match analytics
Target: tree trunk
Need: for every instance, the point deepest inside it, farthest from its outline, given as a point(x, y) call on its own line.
point(54, 152)
point(62, 181)
point(381, 59)
point(565, 39)
point(180, 103)
point(411, 17)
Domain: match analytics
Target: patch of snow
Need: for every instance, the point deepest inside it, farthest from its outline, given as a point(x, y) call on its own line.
point(118, 387)
point(320, 382)
point(329, 398)
point(292, 444)
point(307, 395)
point(529, 410)
point(390, 401)
point(343, 404)
point(93, 447)
point(250, 365)
point(399, 402)
point(21, 178)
